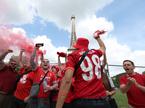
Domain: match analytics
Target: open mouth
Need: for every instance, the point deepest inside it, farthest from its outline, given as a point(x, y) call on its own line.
point(127, 69)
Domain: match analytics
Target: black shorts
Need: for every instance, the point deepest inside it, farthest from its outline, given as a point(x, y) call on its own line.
point(17, 103)
point(65, 105)
point(91, 103)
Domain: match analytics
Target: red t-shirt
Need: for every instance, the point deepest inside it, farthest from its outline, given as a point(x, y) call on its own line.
point(54, 95)
point(70, 95)
point(88, 82)
point(50, 79)
point(136, 97)
point(24, 85)
point(7, 79)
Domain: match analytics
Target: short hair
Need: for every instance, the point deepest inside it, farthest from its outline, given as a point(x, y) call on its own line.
point(129, 61)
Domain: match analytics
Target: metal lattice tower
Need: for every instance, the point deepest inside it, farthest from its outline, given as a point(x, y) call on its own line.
point(73, 34)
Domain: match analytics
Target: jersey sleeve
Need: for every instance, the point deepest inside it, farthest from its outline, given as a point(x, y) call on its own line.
point(70, 62)
point(31, 75)
point(99, 52)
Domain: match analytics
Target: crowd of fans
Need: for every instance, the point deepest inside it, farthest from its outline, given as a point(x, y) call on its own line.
point(24, 83)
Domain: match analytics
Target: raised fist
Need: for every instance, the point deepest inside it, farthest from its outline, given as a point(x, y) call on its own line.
point(38, 45)
point(98, 33)
point(61, 54)
point(9, 51)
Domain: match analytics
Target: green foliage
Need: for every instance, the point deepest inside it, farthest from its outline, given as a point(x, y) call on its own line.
point(121, 99)
point(143, 72)
point(116, 80)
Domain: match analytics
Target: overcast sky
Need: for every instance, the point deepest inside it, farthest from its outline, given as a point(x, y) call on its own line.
point(48, 22)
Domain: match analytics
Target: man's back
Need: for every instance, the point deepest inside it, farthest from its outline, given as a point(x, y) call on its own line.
point(88, 88)
point(88, 82)
point(7, 79)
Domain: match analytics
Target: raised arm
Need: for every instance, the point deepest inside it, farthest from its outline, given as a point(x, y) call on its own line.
point(32, 63)
point(61, 54)
point(2, 56)
point(59, 62)
point(21, 57)
point(100, 42)
point(104, 62)
point(42, 57)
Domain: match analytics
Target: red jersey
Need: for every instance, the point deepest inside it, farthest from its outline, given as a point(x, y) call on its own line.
point(7, 79)
point(54, 95)
point(136, 97)
point(88, 82)
point(24, 85)
point(49, 80)
point(70, 95)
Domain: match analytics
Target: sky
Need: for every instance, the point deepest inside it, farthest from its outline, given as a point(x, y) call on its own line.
point(26, 22)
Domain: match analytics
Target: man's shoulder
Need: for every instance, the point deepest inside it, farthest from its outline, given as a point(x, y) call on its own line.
point(5, 67)
point(122, 75)
point(139, 75)
point(76, 53)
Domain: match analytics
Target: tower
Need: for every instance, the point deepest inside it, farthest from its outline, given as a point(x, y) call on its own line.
point(73, 34)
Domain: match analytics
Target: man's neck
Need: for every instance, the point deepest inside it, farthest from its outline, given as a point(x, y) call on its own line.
point(45, 70)
point(131, 73)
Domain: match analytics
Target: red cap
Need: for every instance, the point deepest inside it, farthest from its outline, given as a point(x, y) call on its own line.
point(81, 43)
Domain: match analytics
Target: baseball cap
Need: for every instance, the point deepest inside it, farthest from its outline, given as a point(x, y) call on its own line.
point(81, 43)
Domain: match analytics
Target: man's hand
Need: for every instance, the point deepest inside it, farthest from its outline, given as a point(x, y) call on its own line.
point(131, 80)
point(110, 93)
point(61, 54)
point(9, 51)
point(98, 33)
point(125, 87)
point(22, 50)
point(48, 88)
point(38, 45)
point(26, 99)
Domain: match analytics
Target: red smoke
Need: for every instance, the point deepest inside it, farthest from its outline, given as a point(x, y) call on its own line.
point(9, 38)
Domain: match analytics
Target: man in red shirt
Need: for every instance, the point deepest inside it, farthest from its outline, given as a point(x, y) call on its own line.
point(133, 84)
point(8, 78)
point(89, 91)
point(54, 94)
point(24, 84)
point(48, 84)
point(23, 89)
